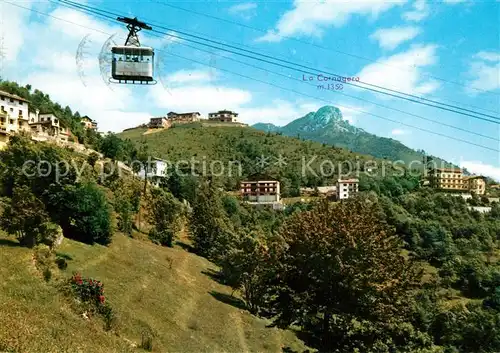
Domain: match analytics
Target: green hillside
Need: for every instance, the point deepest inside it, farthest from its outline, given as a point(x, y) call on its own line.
point(161, 290)
point(305, 163)
point(328, 126)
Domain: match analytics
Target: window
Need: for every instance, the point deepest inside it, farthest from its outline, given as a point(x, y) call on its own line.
point(20, 112)
point(3, 98)
point(11, 121)
point(12, 110)
point(12, 100)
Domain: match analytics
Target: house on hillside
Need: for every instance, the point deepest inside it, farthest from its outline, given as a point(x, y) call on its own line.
point(88, 123)
point(347, 188)
point(156, 169)
point(14, 112)
point(453, 179)
point(184, 118)
point(159, 123)
point(226, 116)
point(261, 192)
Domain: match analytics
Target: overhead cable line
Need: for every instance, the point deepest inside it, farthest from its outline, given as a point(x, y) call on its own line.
point(347, 95)
point(312, 44)
point(277, 86)
point(419, 100)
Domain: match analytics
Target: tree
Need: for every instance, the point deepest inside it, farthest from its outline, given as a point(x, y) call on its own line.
point(83, 212)
point(112, 147)
point(165, 212)
point(211, 230)
point(92, 159)
point(25, 216)
point(342, 276)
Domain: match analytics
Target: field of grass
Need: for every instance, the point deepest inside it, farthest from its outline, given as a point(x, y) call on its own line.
point(167, 292)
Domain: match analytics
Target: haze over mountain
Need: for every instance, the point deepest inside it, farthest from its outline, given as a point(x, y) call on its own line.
point(328, 126)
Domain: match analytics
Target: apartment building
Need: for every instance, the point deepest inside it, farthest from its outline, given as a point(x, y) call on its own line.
point(347, 188)
point(452, 179)
point(226, 116)
point(475, 184)
point(261, 191)
point(449, 179)
point(159, 123)
point(13, 112)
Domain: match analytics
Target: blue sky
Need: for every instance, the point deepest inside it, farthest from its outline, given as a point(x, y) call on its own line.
point(445, 50)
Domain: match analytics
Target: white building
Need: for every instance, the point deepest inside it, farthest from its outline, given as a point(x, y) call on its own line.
point(157, 168)
point(347, 188)
point(226, 116)
point(13, 112)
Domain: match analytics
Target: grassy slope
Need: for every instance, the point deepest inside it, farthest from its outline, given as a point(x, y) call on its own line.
point(175, 303)
point(224, 144)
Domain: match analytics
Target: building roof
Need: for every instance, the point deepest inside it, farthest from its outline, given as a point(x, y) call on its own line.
point(14, 96)
point(188, 113)
point(325, 189)
point(86, 118)
point(448, 170)
point(225, 111)
point(474, 177)
point(348, 180)
point(258, 181)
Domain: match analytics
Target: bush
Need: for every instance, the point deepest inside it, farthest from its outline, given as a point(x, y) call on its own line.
point(146, 341)
point(91, 293)
point(162, 237)
point(47, 274)
point(61, 263)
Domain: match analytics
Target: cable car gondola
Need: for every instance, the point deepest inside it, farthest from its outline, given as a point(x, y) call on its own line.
point(131, 63)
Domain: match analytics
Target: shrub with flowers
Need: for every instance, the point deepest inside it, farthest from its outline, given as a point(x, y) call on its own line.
point(91, 293)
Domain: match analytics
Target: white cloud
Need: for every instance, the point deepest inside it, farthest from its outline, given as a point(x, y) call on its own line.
point(386, 73)
point(311, 18)
point(186, 76)
point(453, 1)
point(245, 10)
point(488, 56)
point(202, 98)
point(484, 72)
point(480, 168)
point(350, 112)
point(390, 38)
point(12, 30)
point(420, 11)
point(397, 132)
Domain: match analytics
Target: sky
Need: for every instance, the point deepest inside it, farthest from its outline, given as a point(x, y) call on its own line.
point(442, 50)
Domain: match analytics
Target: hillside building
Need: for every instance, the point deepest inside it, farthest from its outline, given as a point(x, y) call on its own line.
point(347, 188)
point(157, 168)
point(184, 118)
point(13, 112)
point(88, 123)
point(452, 179)
point(261, 192)
point(226, 116)
point(159, 123)
point(475, 184)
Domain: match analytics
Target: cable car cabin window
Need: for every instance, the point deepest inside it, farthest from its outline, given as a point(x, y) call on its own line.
point(132, 63)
